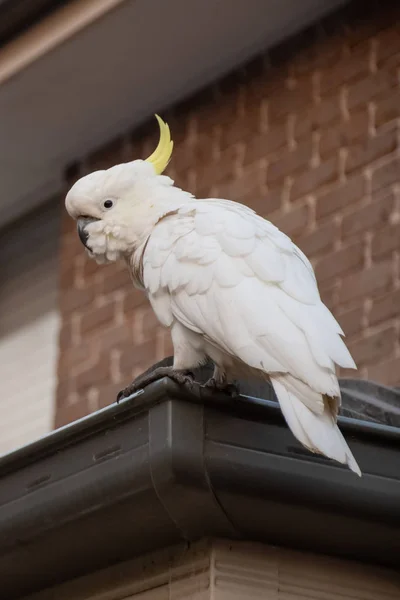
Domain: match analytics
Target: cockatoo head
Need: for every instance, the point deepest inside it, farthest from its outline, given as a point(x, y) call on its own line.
point(116, 208)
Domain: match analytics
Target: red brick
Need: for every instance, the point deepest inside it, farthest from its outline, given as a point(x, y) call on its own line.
point(374, 215)
point(266, 203)
point(262, 144)
point(318, 116)
point(312, 179)
point(183, 157)
point(385, 307)
point(73, 357)
point(389, 45)
point(136, 355)
point(214, 171)
point(287, 100)
point(369, 282)
point(299, 158)
point(386, 174)
point(391, 64)
point(67, 413)
point(114, 338)
point(341, 196)
point(264, 84)
point(149, 324)
point(167, 348)
point(370, 88)
point(387, 108)
point(66, 274)
point(385, 241)
point(115, 281)
point(216, 114)
point(293, 222)
point(71, 247)
point(91, 268)
point(249, 185)
point(65, 335)
point(203, 146)
point(351, 321)
point(97, 318)
point(110, 269)
point(241, 129)
point(345, 70)
point(108, 392)
point(344, 133)
point(68, 225)
point(318, 56)
point(373, 348)
point(76, 299)
point(320, 240)
point(65, 387)
point(133, 299)
point(386, 372)
point(340, 262)
point(184, 181)
point(369, 151)
point(328, 293)
point(93, 375)
point(271, 202)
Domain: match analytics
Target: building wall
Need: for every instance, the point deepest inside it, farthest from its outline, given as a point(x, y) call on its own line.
point(307, 135)
point(231, 570)
point(29, 324)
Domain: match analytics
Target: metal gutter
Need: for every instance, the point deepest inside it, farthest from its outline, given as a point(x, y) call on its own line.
point(168, 465)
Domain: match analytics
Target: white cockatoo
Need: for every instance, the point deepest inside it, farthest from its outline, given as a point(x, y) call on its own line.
point(227, 283)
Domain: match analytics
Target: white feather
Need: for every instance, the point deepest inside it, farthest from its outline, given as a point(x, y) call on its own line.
point(316, 431)
point(242, 286)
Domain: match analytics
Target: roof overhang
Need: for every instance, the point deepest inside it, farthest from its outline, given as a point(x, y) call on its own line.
point(167, 466)
point(93, 68)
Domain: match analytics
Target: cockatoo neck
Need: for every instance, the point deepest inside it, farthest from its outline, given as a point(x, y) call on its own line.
point(159, 206)
point(160, 201)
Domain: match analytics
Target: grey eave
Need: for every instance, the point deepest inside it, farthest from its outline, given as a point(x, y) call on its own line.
point(141, 57)
point(168, 466)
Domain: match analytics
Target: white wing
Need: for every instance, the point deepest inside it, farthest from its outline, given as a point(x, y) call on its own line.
point(232, 276)
point(236, 278)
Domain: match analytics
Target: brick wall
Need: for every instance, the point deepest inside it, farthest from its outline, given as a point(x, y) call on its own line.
point(308, 135)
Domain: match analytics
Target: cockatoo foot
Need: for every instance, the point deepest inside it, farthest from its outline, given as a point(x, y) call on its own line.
point(231, 389)
point(181, 377)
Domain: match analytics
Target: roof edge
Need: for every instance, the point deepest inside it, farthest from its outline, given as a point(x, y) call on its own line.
point(166, 466)
point(50, 32)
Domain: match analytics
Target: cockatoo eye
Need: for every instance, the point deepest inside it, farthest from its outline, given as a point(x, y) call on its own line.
point(108, 203)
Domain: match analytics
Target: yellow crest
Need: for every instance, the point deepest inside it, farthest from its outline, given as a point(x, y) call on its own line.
point(162, 154)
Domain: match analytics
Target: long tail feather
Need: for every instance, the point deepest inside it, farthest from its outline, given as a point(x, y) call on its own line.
point(317, 432)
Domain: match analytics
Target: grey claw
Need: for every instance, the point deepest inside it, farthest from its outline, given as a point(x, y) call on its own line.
point(230, 389)
point(181, 377)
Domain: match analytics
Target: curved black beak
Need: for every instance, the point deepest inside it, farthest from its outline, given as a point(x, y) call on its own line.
point(82, 222)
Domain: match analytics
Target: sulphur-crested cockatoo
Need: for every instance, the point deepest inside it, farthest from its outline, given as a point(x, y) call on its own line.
point(227, 283)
